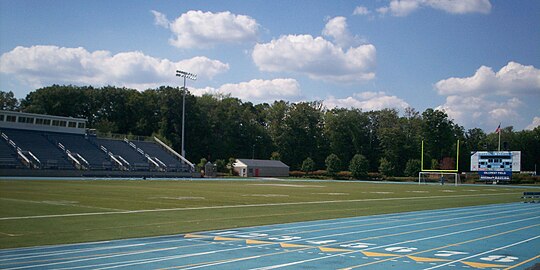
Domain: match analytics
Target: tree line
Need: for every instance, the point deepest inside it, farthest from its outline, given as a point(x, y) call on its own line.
point(220, 127)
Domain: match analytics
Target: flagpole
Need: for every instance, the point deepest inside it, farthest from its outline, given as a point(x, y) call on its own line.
point(499, 131)
point(499, 141)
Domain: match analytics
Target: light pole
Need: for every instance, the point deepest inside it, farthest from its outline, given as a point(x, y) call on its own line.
point(193, 77)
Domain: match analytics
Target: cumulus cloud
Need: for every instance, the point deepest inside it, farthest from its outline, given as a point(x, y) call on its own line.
point(337, 29)
point(257, 90)
point(361, 10)
point(203, 29)
point(317, 58)
point(487, 97)
point(367, 101)
point(160, 19)
point(535, 123)
point(401, 8)
point(514, 78)
point(44, 65)
point(480, 111)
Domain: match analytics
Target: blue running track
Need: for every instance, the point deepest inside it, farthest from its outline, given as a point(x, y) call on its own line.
point(503, 236)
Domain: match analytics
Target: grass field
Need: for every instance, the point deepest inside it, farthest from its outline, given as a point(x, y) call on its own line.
point(54, 212)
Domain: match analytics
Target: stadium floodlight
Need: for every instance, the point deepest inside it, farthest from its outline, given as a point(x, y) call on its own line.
point(193, 77)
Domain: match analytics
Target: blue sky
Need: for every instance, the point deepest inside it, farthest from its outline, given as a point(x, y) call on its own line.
point(479, 60)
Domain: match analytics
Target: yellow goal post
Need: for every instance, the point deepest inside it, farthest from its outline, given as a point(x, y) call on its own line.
point(438, 173)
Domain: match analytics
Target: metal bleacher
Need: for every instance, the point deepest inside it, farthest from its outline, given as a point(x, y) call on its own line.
point(78, 145)
point(163, 157)
point(8, 156)
point(120, 149)
point(48, 155)
point(40, 144)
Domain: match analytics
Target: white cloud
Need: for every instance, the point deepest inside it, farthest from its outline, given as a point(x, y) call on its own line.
point(160, 19)
point(203, 29)
point(481, 111)
point(317, 58)
point(401, 8)
point(337, 29)
point(488, 97)
point(535, 123)
point(361, 10)
point(367, 101)
point(461, 6)
point(512, 79)
point(38, 66)
point(257, 91)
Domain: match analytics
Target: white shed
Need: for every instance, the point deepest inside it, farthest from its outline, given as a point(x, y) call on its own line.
point(260, 168)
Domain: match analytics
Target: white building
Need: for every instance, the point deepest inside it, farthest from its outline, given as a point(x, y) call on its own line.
point(260, 168)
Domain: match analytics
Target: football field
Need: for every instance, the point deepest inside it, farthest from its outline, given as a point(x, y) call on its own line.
point(45, 212)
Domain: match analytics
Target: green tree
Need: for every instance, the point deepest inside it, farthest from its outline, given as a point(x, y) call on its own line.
point(333, 164)
point(230, 165)
point(221, 165)
point(308, 165)
point(346, 131)
point(200, 165)
point(275, 156)
point(359, 166)
point(412, 168)
point(439, 135)
point(302, 134)
point(386, 167)
point(8, 102)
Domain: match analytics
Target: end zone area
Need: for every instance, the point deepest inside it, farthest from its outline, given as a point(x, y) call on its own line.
point(501, 236)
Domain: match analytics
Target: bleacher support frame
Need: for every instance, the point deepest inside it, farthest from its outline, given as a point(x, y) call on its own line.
point(175, 153)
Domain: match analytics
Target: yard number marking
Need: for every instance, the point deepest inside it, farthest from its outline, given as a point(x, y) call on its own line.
point(401, 249)
point(499, 258)
point(357, 245)
point(446, 253)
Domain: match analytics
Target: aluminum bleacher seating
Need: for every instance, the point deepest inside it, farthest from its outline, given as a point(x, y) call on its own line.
point(78, 144)
point(137, 162)
point(154, 150)
point(8, 156)
point(49, 155)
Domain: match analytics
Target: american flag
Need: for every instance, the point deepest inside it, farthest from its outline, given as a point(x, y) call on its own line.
point(498, 130)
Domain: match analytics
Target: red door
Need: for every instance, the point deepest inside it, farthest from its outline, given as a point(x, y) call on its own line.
point(256, 172)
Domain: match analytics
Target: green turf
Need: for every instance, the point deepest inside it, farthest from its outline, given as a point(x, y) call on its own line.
point(333, 200)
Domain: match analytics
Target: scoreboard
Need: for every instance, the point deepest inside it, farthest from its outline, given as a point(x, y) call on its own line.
point(496, 161)
point(496, 166)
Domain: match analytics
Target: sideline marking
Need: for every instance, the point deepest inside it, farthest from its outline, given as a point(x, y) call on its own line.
point(248, 205)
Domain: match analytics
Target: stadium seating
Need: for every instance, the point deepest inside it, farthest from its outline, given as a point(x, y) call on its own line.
point(78, 144)
point(136, 161)
point(156, 151)
point(69, 151)
point(8, 156)
point(50, 156)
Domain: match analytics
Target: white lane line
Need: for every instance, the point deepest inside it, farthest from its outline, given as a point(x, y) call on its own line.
point(393, 244)
point(249, 205)
point(485, 252)
point(188, 255)
point(462, 210)
point(328, 256)
point(400, 217)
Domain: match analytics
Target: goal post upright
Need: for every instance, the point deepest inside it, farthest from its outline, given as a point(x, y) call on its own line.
point(435, 171)
point(432, 170)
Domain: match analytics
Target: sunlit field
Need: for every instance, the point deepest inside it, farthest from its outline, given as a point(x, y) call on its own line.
point(53, 212)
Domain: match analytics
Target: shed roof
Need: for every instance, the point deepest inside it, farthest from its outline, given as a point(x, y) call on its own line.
point(262, 163)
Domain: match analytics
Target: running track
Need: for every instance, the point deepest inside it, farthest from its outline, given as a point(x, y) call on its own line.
point(503, 236)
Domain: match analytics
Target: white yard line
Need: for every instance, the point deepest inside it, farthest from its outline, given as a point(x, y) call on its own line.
point(247, 205)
